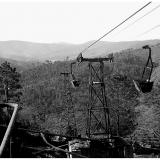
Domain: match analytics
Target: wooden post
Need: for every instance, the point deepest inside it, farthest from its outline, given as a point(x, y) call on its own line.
point(70, 149)
point(10, 147)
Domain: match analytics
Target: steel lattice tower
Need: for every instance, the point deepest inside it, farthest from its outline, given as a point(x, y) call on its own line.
point(68, 120)
point(98, 122)
point(98, 112)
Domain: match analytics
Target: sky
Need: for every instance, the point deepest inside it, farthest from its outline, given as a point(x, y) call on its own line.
point(47, 21)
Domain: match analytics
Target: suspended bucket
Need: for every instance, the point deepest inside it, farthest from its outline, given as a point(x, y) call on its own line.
point(75, 83)
point(143, 86)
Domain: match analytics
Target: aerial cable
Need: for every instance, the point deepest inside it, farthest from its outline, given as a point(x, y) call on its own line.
point(149, 30)
point(139, 18)
point(115, 27)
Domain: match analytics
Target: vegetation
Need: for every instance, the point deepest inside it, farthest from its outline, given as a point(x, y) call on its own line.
point(42, 98)
point(44, 85)
point(10, 83)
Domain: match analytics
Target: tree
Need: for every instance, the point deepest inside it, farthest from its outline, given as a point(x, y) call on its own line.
point(9, 83)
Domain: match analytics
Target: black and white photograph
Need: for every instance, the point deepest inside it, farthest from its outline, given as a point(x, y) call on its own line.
point(79, 79)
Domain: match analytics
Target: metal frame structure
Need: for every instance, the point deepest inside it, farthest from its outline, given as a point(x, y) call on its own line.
point(68, 104)
point(98, 112)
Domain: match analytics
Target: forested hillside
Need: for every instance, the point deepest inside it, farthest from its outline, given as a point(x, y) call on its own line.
point(42, 92)
point(43, 102)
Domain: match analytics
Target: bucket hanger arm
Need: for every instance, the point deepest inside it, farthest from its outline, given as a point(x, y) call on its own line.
point(149, 60)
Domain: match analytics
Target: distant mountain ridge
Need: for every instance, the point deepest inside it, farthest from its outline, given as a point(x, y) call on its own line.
point(30, 51)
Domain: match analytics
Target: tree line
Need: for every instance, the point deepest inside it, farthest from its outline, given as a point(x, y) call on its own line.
point(39, 92)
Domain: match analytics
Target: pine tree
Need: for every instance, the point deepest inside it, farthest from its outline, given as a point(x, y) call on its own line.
point(9, 83)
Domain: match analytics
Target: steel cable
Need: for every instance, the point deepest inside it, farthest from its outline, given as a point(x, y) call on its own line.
point(139, 18)
point(115, 27)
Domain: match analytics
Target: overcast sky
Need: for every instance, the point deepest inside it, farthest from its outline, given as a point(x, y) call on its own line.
point(76, 21)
